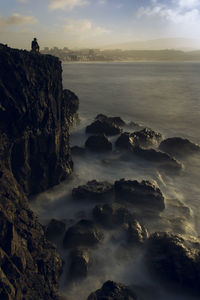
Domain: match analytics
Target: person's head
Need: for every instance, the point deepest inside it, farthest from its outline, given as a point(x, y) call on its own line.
point(35, 39)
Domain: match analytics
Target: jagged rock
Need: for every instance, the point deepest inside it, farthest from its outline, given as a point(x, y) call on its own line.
point(83, 234)
point(145, 194)
point(29, 264)
point(93, 190)
point(55, 229)
point(125, 141)
point(163, 159)
point(77, 151)
point(136, 233)
point(143, 138)
point(113, 291)
point(72, 101)
point(98, 143)
point(147, 137)
point(106, 127)
point(79, 263)
point(112, 215)
point(35, 115)
point(115, 120)
point(175, 260)
point(179, 146)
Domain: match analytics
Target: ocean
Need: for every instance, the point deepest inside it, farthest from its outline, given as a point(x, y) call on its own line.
point(161, 96)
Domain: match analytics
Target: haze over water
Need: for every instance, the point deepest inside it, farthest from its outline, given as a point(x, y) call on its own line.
point(162, 96)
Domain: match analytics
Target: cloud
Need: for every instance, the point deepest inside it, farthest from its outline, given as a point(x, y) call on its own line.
point(187, 3)
point(84, 27)
point(67, 4)
point(185, 11)
point(102, 2)
point(17, 19)
point(22, 1)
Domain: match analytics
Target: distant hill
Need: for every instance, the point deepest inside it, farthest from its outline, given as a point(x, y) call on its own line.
point(158, 44)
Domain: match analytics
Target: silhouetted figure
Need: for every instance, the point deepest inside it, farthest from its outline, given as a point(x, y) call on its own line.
point(34, 46)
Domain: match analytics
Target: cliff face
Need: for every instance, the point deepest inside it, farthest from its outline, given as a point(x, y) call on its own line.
point(35, 114)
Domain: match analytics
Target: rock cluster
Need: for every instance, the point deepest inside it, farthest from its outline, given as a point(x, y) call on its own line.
point(145, 144)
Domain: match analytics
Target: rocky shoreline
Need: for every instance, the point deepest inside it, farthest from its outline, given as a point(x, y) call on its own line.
point(35, 155)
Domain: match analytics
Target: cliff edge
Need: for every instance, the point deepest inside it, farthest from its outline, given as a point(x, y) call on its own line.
point(35, 115)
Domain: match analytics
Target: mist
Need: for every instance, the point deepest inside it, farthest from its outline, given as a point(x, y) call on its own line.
point(164, 98)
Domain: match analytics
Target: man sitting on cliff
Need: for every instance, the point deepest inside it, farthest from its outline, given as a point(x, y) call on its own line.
point(34, 46)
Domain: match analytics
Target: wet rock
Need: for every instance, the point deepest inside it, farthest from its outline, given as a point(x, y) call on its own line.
point(77, 151)
point(55, 229)
point(83, 234)
point(163, 159)
point(136, 233)
point(94, 190)
point(106, 127)
point(98, 143)
point(175, 260)
point(145, 194)
point(143, 138)
point(115, 120)
point(179, 146)
point(112, 215)
point(71, 107)
point(79, 263)
point(147, 137)
point(125, 141)
point(113, 291)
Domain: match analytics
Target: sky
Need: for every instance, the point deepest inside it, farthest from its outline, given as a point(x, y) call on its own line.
point(96, 23)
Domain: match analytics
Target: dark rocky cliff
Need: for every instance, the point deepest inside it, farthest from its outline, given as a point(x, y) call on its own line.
point(35, 115)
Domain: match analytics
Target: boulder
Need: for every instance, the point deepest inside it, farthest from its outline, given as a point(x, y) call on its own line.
point(179, 146)
point(136, 233)
point(94, 190)
point(112, 215)
point(106, 127)
point(175, 260)
point(145, 194)
point(55, 229)
point(143, 138)
point(147, 137)
point(98, 143)
point(162, 159)
point(83, 234)
point(115, 120)
point(125, 141)
point(79, 262)
point(113, 291)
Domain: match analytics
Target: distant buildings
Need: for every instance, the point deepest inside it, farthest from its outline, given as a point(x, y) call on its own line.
point(67, 54)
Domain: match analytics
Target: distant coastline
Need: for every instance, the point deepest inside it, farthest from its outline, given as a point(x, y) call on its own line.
point(124, 56)
point(131, 61)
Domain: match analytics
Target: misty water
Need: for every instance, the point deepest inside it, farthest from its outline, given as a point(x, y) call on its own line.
point(164, 97)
